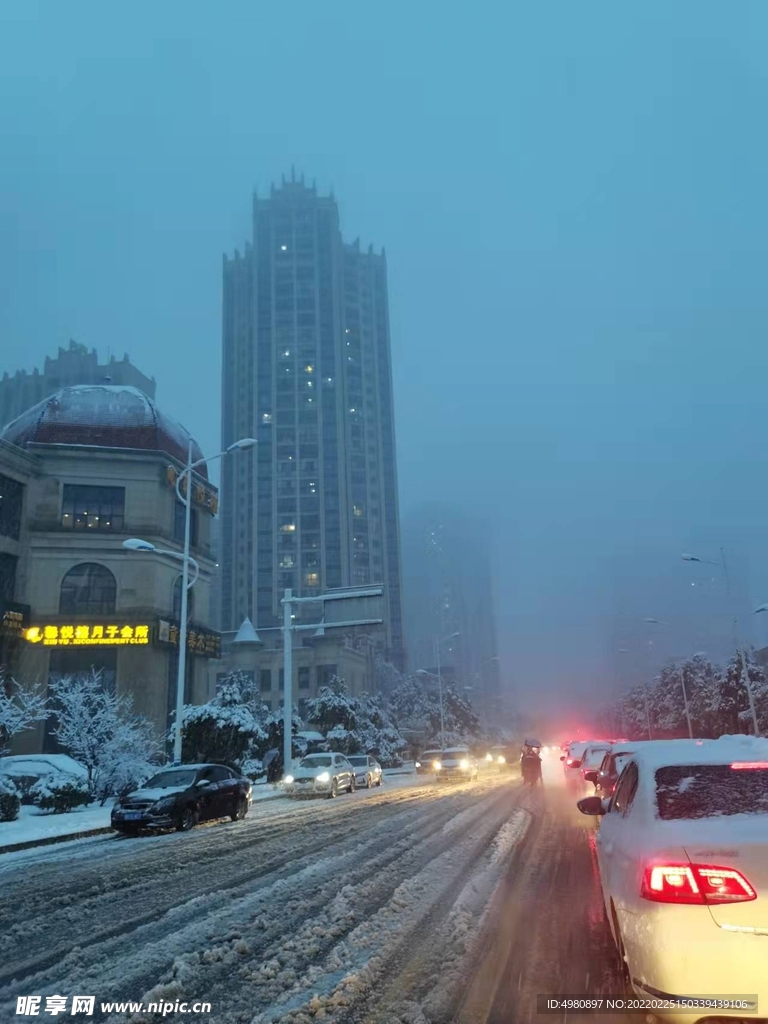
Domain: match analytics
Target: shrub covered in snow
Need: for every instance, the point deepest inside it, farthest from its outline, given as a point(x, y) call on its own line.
point(230, 728)
point(10, 799)
point(253, 769)
point(354, 725)
point(59, 796)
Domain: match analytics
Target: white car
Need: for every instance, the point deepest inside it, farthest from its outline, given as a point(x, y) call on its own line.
point(456, 763)
point(321, 775)
point(368, 771)
point(572, 760)
point(683, 857)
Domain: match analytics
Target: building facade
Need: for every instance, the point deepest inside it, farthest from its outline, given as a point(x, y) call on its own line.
point(74, 365)
point(83, 471)
point(307, 371)
point(315, 662)
point(448, 588)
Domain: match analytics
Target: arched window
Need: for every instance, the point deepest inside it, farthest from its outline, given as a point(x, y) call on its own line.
point(177, 601)
point(88, 589)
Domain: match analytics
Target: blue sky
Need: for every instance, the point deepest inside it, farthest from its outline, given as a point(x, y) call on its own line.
point(572, 200)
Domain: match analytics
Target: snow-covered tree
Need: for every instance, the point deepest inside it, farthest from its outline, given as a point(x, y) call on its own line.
point(21, 707)
point(354, 725)
point(97, 727)
point(230, 727)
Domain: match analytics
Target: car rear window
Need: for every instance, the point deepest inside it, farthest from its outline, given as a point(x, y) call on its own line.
point(594, 758)
point(709, 791)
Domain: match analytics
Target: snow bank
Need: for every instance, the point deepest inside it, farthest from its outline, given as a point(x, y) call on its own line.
point(32, 824)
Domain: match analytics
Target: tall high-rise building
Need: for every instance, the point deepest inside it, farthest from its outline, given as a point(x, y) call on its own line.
point(74, 365)
point(448, 588)
point(307, 370)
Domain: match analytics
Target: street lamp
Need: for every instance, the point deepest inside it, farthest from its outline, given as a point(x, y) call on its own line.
point(438, 644)
point(135, 544)
point(740, 649)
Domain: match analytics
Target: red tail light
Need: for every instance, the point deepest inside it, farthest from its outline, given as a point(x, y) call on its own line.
point(750, 765)
point(695, 883)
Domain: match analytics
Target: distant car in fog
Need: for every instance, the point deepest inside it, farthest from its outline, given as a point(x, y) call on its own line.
point(456, 763)
point(682, 852)
point(425, 763)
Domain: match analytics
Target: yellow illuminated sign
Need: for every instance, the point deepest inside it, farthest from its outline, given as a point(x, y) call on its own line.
point(87, 636)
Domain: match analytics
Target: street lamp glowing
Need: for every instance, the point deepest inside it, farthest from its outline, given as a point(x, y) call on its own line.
point(135, 544)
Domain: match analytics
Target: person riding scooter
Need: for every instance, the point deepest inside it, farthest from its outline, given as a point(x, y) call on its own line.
point(530, 763)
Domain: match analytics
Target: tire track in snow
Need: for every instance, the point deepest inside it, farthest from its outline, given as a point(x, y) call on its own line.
point(109, 964)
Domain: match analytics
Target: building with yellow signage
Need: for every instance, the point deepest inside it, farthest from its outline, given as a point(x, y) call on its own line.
point(80, 473)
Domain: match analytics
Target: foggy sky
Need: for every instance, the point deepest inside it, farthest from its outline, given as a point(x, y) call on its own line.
point(572, 200)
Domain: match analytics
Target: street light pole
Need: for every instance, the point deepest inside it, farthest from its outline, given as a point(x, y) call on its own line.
point(185, 474)
point(440, 689)
point(740, 649)
point(182, 666)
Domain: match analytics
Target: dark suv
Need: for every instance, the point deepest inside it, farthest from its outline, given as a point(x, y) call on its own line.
point(182, 796)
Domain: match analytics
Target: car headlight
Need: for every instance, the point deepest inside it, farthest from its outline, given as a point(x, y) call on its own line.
point(436, 765)
point(165, 804)
point(417, 764)
point(288, 779)
point(502, 759)
point(464, 763)
point(324, 777)
point(489, 757)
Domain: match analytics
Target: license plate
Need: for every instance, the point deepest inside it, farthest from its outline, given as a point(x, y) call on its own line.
point(133, 815)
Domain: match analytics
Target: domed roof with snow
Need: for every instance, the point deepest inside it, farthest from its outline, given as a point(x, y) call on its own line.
point(102, 416)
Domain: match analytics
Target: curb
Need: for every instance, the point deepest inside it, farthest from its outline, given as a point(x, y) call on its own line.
point(50, 840)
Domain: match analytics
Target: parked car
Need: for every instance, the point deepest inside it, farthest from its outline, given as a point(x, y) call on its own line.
point(612, 765)
point(425, 763)
point(683, 860)
point(321, 775)
point(368, 771)
point(182, 796)
point(572, 761)
point(27, 769)
point(456, 763)
point(591, 760)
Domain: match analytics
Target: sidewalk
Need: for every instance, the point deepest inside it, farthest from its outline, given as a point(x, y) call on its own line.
point(33, 829)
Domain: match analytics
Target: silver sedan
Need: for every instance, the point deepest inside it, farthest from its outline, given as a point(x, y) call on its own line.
point(368, 771)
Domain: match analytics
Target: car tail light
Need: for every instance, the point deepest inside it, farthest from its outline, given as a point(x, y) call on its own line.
point(695, 883)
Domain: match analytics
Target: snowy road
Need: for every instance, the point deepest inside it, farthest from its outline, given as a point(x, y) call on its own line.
point(416, 904)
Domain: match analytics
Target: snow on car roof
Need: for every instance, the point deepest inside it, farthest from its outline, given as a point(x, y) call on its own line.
point(725, 750)
point(17, 763)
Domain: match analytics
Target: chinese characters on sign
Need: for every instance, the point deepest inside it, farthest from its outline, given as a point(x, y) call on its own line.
point(200, 641)
point(13, 618)
point(87, 635)
point(201, 496)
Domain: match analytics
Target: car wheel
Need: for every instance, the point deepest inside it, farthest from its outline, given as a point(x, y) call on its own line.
point(368, 781)
point(381, 779)
point(241, 809)
point(186, 820)
point(334, 788)
point(622, 965)
point(352, 784)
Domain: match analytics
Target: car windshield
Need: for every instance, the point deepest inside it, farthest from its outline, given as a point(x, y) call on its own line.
point(709, 791)
point(357, 760)
point(317, 761)
point(171, 779)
